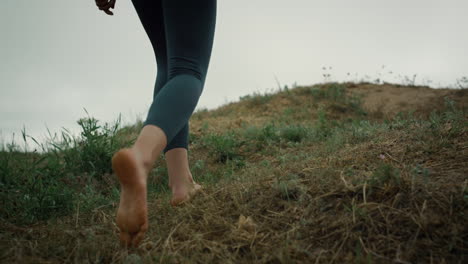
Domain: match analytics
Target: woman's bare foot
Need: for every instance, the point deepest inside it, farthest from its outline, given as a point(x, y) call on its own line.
point(183, 188)
point(132, 215)
point(180, 179)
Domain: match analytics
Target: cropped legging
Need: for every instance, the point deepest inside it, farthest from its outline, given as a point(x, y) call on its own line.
point(181, 33)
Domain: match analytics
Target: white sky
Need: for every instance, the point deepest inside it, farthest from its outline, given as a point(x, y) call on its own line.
point(58, 57)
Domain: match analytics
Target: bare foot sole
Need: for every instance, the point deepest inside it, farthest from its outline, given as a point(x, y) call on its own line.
point(132, 215)
point(195, 188)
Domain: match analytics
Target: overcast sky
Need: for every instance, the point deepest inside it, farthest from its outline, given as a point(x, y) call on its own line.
point(59, 57)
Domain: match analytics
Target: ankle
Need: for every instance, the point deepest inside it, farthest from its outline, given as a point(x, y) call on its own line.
point(145, 162)
point(180, 178)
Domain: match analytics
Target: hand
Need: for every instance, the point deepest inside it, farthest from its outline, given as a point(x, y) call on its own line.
point(104, 5)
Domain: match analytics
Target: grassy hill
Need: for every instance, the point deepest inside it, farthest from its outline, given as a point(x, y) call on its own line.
point(329, 173)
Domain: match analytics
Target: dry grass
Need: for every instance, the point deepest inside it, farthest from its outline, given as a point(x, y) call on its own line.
point(397, 196)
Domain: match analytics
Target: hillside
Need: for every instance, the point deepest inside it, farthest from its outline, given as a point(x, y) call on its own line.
point(329, 173)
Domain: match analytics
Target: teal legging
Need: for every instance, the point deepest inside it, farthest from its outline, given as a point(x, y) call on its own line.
point(181, 33)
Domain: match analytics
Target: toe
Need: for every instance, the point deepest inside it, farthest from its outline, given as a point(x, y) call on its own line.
point(125, 239)
point(140, 235)
point(178, 200)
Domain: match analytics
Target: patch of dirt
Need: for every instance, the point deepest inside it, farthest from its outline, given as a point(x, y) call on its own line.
point(389, 99)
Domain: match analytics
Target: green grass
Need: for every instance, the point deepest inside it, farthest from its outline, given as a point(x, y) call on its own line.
point(72, 170)
point(222, 147)
point(257, 98)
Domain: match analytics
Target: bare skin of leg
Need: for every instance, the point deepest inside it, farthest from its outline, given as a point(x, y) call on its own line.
point(180, 178)
point(132, 166)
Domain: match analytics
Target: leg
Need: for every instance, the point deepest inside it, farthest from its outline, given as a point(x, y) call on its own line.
point(181, 140)
point(180, 178)
point(151, 17)
point(133, 165)
point(189, 32)
point(189, 27)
